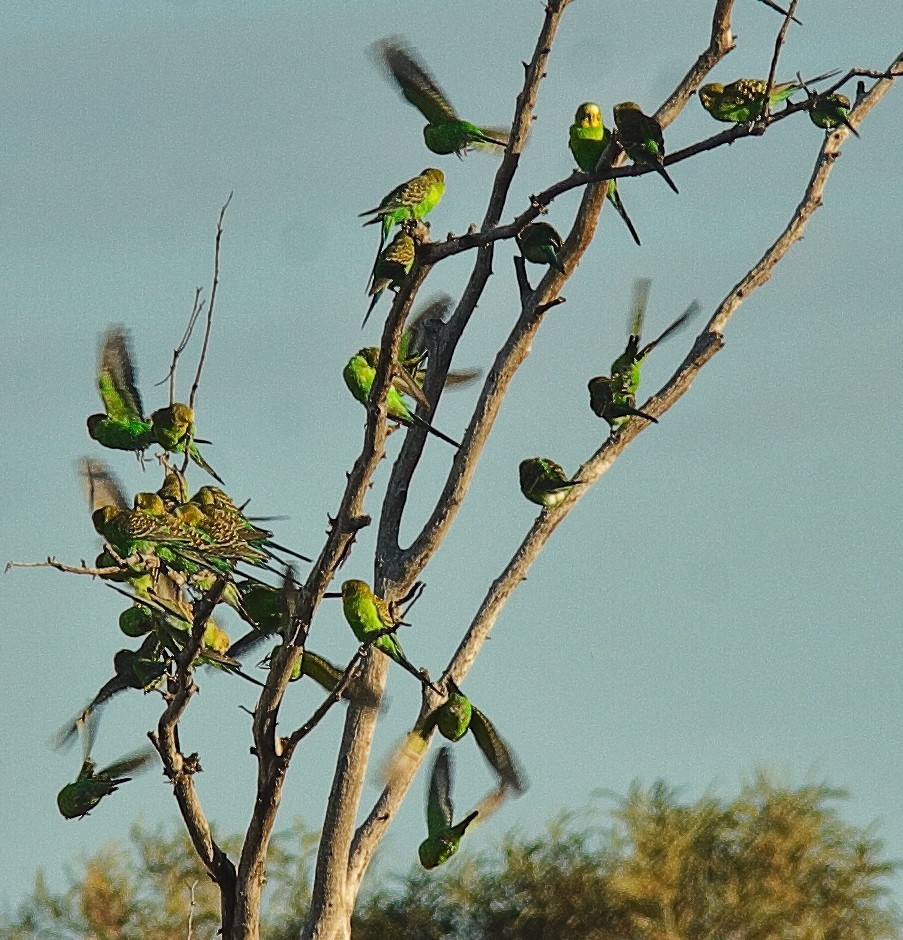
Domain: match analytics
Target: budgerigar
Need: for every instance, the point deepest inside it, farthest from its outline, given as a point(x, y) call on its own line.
point(613, 397)
point(413, 199)
point(641, 136)
point(445, 132)
point(830, 111)
point(372, 622)
point(123, 426)
point(443, 838)
point(391, 267)
point(173, 430)
point(544, 482)
point(588, 137)
point(540, 243)
point(359, 374)
point(743, 101)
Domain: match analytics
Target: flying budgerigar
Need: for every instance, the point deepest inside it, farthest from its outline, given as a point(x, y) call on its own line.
point(413, 199)
point(445, 132)
point(588, 137)
point(372, 622)
point(359, 374)
point(123, 426)
point(133, 669)
point(78, 798)
point(540, 243)
point(830, 111)
point(422, 330)
point(456, 716)
point(391, 267)
point(743, 101)
point(641, 136)
point(613, 397)
point(443, 838)
point(544, 482)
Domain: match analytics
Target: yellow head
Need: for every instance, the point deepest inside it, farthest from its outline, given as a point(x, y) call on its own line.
point(588, 115)
point(708, 94)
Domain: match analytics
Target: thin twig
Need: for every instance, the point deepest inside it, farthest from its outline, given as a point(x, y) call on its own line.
point(191, 906)
point(778, 45)
point(292, 741)
point(70, 569)
point(216, 255)
point(196, 308)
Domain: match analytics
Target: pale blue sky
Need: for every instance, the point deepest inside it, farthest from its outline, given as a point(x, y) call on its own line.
point(728, 596)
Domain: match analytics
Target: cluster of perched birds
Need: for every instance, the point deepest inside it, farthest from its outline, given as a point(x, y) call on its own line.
point(169, 551)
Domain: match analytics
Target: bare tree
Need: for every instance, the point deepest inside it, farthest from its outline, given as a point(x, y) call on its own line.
point(346, 848)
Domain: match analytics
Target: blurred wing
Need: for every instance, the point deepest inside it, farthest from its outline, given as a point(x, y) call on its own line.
point(461, 377)
point(439, 806)
point(415, 81)
point(496, 752)
point(131, 763)
point(116, 379)
point(638, 303)
point(100, 485)
point(678, 324)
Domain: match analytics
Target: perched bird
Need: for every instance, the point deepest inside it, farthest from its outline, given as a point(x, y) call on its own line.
point(588, 137)
point(123, 426)
point(372, 622)
point(456, 716)
point(77, 799)
point(613, 398)
point(641, 136)
point(743, 101)
point(413, 199)
point(391, 267)
point(539, 243)
point(173, 430)
point(359, 373)
point(544, 482)
point(445, 132)
point(443, 838)
point(781, 10)
point(830, 111)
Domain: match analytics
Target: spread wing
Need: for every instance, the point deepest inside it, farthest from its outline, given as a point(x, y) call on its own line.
point(414, 80)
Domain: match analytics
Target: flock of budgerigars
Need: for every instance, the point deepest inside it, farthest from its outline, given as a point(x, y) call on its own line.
point(171, 551)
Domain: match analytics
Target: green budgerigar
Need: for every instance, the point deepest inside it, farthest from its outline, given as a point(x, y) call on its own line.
point(641, 136)
point(173, 430)
point(413, 199)
point(743, 101)
point(613, 397)
point(445, 132)
point(372, 622)
point(456, 716)
point(78, 798)
point(123, 426)
point(359, 373)
point(830, 111)
point(443, 838)
point(588, 137)
point(540, 243)
point(544, 482)
point(391, 267)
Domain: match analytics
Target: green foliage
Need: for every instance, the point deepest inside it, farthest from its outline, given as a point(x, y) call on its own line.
point(773, 863)
point(146, 889)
